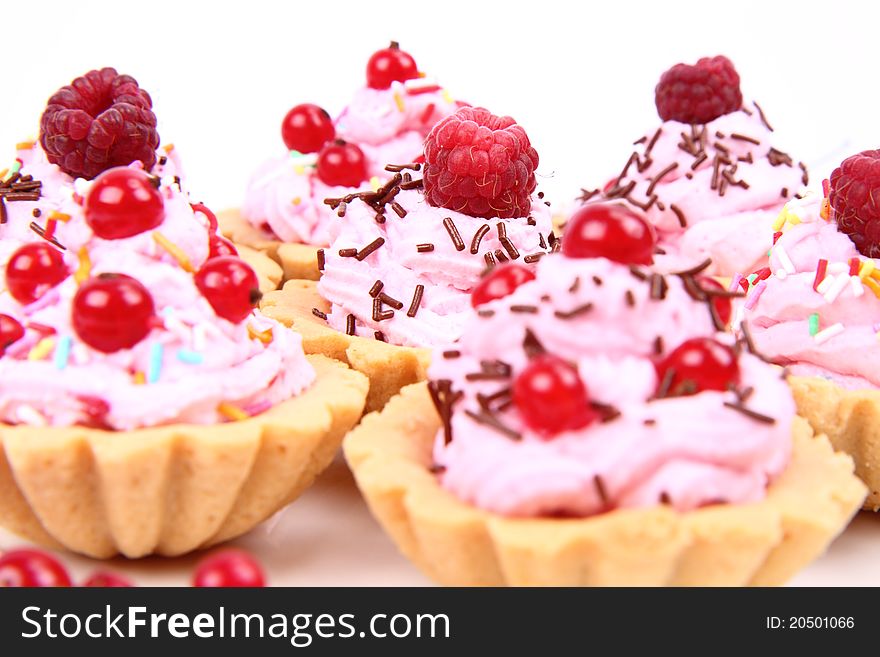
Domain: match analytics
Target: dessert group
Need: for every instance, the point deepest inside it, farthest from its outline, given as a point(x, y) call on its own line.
point(668, 379)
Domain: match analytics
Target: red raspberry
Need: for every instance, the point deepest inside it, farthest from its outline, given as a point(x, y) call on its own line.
point(480, 164)
point(99, 121)
point(855, 200)
point(699, 93)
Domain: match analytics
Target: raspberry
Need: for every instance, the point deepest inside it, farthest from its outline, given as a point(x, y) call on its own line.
point(855, 200)
point(99, 121)
point(699, 93)
point(480, 164)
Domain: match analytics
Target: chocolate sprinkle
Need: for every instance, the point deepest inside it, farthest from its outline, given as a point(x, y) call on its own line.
point(320, 314)
point(444, 399)
point(494, 423)
point(391, 301)
point(39, 230)
point(682, 220)
point(349, 324)
point(378, 335)
point(575, 285)
point(454, 235)
point(4, 216)
point(649, 422)
point(760, 417)
point(500, 256)
point(658, 345)
point(606, 412)
point(533, 257)
point(659, 287)
point(412, 184)
point(478, 237)
point(600, 489)
point(37, 213)
point(762, 117)
point(437, 469)
point(398, 209)
point(524, 308)
point(490, 260)
point(630, 298)
point(576, 311)
point(348, 253)
point(424, 248)
point(377, 287)
point(532, 345)
point(370, 248)
point(416, 300)
point(451, 353)
point(320, 259)
point(490, 370)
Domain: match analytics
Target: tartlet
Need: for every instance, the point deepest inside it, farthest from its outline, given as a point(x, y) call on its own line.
point(591, 428)
point(145, 406)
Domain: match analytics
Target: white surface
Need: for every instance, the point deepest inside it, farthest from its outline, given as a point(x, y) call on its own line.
point(329, 538)
point(578, 76)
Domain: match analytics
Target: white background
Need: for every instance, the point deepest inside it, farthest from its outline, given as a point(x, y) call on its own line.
point(578, 76)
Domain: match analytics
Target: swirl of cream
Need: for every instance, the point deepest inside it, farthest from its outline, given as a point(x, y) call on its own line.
point(445, 269)
point(842, 343)
point(192, 364)
point(710, 190)
point(686, 451)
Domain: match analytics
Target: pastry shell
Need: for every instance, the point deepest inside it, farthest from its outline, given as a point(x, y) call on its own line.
point(389, 367)
point(172, 489)
point(295, 260)
point(457, 544)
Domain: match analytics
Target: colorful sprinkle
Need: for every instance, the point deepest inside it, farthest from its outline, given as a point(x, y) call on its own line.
point(734, 284)
point(299, 169)
point(825, 210)
point(154, 370)
point(84, 268)
point(59, 216)
point(375, 183)
point(231, 412)
point(168, 148)
point(265, 337)
point(826, 334)
point(174, 251)
point(836, 288)
point(398, 100)
point(784, 259)
point(42, 349)
point(24, 145)
point(873, 285)
point(190, 357)
point(139, 378)
point(296, 200)
point(814, 324)
point(867, 268)
point(62, 351)
point(755, 295)
point(856, 284)
point(820, 273)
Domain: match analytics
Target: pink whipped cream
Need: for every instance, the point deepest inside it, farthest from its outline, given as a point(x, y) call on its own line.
point(711, 190)
point(444, 273)
point(286, 198)
point(179, 374)
point(687, 451)
point(841, 344)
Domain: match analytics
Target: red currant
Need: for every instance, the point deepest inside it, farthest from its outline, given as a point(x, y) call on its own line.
point(342, 164)
point(26, 567)
point(228, 568)
point(123, 202)
point(722, 305)
point(551, 397)
point(499, 283)
point(33, 270)
point(606, 230)
point(306, 128)
point(389, 65)
point(219, 246)
point(230, 286)
point(104, 579)
point(10, 331)
point(112, 312)
point(697, 365)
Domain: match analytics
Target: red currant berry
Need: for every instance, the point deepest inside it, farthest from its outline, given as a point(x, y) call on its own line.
point(104, 579)
point(551, 397)
point(230, 286)
point(499, 283)
point(606, 230)
point(306, 128)
point(229, 568)
point(389, 65)
point(342, 164)
point(697, 365)
point(722, 305)
point(33, 270)
point(219, 246)
point(26, 567)
point(112, 312)
point(10, 331)
point(122, 202)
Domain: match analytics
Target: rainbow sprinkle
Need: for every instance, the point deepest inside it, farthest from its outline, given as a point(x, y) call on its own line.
point(154, 370)
point(814, 324)
point(755, 295)
point(84, 268)
point(784, 259)
point(174, 251)
point(398, 100)
point(62, 351)
point(24, 145)
point(296, 200)
point(826, 334)
point(265, 337)
point(866, 269)
point(836, 288)
point(139, 378)
point(190, 357)
point(231, 412)
point(42, 349)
